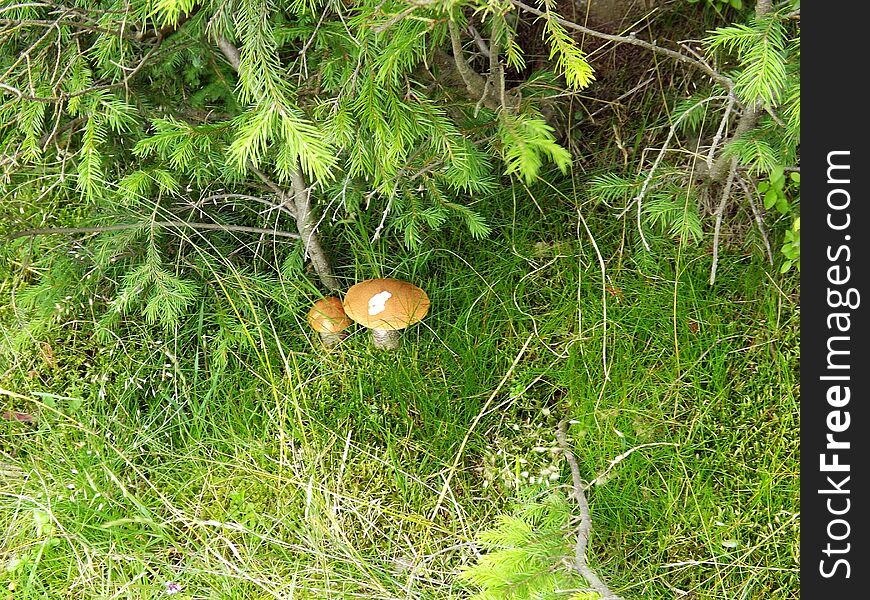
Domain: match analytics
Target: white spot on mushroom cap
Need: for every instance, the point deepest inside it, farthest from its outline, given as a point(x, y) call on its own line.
point(377, 303)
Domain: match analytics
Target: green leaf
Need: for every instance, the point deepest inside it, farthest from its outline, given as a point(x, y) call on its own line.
point(770, 198)
point(777, 177)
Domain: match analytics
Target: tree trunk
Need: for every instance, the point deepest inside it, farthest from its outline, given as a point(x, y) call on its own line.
point(307, 227)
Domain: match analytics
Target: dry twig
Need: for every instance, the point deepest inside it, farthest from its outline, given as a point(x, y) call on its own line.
point(585, 527)
point(726, 193)
point(160, 224)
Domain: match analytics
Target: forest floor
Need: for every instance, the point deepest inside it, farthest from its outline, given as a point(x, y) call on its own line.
point(285, 471)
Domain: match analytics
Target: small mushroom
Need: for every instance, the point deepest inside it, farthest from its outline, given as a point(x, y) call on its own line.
point(385, 306)
point(327, 318)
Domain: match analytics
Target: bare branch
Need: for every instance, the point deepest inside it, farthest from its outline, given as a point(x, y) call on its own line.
point(603, 294)
point(726, 193)
point(585, 528)
point(643, 190)
point(758, 218)
point(714, 145)
point(161, 224)
point(230, 52)
point(461, 450)
point(477, 85)
point(481, 43)
point(475, 82)
point(601, 478)
point(307, 227)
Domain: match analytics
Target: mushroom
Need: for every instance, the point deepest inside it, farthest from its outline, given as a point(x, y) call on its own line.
point(385, 306)
point(327, 318)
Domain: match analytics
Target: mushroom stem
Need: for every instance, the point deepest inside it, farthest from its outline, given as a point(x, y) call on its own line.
point(331, 339)
point(385, 339)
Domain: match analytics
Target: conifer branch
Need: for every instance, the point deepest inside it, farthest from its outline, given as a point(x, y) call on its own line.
point(65, 96)
point(161, 224)
point(45, 141)
point(170, 28)
point(633, 40)
point(585, 528)
point(478, 86)
point(299, 201)
point(85, 25)
point(749, 118)
point(759, 221)
point(230, 52)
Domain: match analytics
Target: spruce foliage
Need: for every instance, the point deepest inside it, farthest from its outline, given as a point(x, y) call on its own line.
point(164, 165)
point(143, 113)
point(527, 555)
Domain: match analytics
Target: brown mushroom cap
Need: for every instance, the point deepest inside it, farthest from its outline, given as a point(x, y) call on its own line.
point(327, 316)
point(386, 304)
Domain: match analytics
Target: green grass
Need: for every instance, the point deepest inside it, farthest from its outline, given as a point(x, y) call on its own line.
point(289, 472)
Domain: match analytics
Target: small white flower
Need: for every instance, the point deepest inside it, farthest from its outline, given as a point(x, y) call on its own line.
point(172, 588)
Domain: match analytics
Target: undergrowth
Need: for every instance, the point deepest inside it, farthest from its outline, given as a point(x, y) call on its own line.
point(284, 470)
